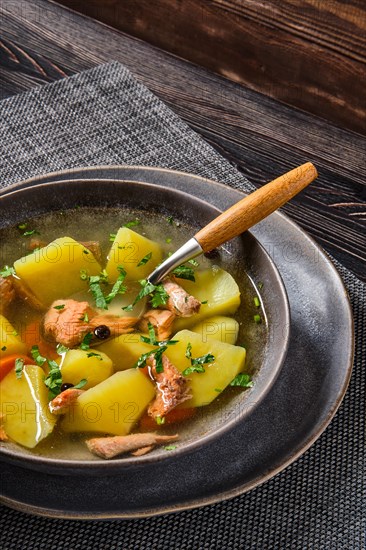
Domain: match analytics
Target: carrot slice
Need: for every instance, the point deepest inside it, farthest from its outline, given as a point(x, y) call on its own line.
point(8, 363)
point(173, 417)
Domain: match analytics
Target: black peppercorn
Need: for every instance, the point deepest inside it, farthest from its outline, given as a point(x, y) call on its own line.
point(66, 386)
point(102, 332)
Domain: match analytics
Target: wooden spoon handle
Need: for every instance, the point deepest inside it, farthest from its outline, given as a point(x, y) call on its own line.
point(256, 206)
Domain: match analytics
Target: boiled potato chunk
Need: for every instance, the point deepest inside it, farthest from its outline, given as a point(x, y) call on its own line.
point(218, 288)
point(92, 365)
point(113, 406)
point(124, 350)
point(10, 342)
point(24, 404)
point(53, 272)
point(128, 249)
point(206, 386)
point(224, 329)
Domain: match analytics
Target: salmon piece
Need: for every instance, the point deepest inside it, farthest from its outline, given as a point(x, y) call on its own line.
point(180, 302)
point(143, 450)
point(67, 325)
point(161, 320)
point(109, 447)
point(3, 436)
point(7, 292)
point(25, 294)
point(62, 402)
point(171, 387)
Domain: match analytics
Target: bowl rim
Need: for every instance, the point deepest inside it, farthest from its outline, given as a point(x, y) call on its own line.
point(42, 462)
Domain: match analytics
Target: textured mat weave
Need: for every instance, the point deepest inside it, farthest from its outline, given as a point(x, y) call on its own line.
point(104, 116)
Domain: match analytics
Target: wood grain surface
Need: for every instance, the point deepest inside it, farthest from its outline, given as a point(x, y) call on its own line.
point(42, 42)
point(308, 53)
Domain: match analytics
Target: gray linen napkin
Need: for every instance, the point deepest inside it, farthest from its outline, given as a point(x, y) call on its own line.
point(104, 116)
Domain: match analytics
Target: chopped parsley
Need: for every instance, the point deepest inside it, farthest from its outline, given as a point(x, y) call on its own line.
point(3, 348)
point(132, 223)
point(86, 251)
point(260, 286)
point(85, 318)
point(95, 289)
point(37, 357)
point(112, 237)
point(170, 220)
point(256, 301)
point(170, 447)
point(53, 380)
point(7, 271)
point(19, 364)
point(160, 420)
point(85, 344)
point(184, 272)
point(61, 349)
point(197, 363)
point(193, 262)
point(204, 302)
point(83, 274)
point(118, 287)
point(242, 380)
point(80, 384)
point(158, 295)
point(145, 259)
point(30, 233)
point(15, 333)
point(168, 240)
point(188, 350)
point(22, 226)
point(257, 319)
point(61, 306)
point(157, 353)
point(218, 390)
point(92, 354)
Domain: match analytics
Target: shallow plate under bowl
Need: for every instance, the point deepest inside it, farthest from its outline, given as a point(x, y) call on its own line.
point(300, 404)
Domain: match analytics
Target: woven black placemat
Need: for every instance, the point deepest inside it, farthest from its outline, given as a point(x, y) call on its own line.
point(104, 116)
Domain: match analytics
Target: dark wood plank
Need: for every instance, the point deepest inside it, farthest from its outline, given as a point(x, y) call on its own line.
point(262, 137)
point(307, 53)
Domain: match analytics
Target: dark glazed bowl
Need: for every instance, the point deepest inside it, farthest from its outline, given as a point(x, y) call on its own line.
point(29, 202)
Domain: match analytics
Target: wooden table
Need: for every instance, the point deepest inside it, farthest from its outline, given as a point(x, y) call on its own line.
point(41, 41)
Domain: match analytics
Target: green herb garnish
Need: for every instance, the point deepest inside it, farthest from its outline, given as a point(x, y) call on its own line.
point(168, 240)
point(132, 223)
point(15, 333)
point(159, 296)
point(92, 354)
point(170, 220)
point(7, 271)
point(193, 262)
point(85, 318)
point(85, 344)
point(95, 289)
point(19, 364)
point(197, 363)
point(151, 339)
point(170, 447)
point(160, 420)
point(184, 272)
point(80, 384)
point(257, 319)
point(83, 274)
point(157, 293)
point(37, 357)
point(242, 380)
point(61, 306)
point(30, 233)
point(53, 380)
point(260, 286)
point(3, 348)
point(204, 302)
point(256, 301)
point(61, 349)
point(112, 237)
point(118, 287)
point(145, 259)
point(218, 390)
point(188, 350)
point(22, 226)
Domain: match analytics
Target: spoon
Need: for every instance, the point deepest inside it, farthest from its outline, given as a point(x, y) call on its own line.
point(239, 217)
